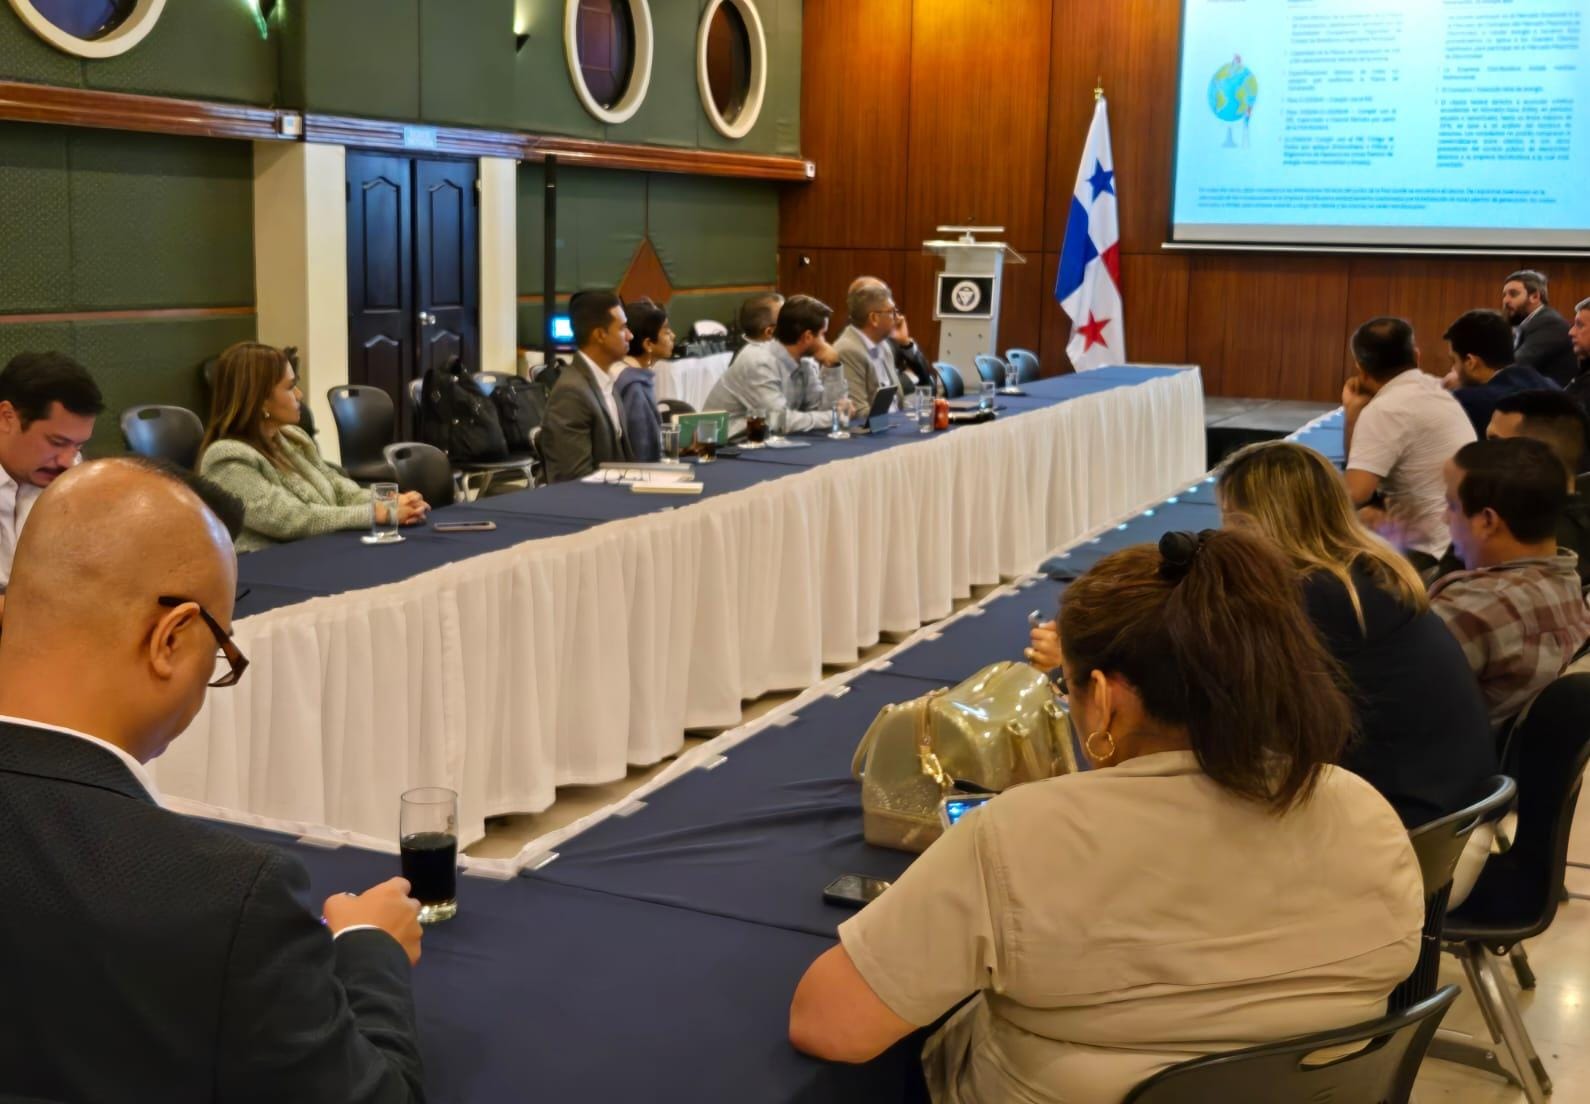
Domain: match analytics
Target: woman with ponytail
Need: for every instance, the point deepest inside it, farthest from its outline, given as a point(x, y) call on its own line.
point(1213, 883)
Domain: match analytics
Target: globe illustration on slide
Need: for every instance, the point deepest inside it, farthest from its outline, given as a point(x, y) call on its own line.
point(1233, 92)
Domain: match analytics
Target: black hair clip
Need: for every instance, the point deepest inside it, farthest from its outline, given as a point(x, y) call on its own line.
point(1178, 550)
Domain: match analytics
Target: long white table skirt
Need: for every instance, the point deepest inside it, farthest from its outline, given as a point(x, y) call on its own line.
point(564, 660)
point(691, 379)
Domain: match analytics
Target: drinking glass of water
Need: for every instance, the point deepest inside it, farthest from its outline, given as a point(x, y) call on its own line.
point(384, 514)
point(923, 401)
point(428, 842)
point(839, 421)
point(777, 424)
point(985, 400)
point(670, 444)
point(1012, 378)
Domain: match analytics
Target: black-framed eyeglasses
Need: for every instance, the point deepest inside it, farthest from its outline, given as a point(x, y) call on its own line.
point(236, 661)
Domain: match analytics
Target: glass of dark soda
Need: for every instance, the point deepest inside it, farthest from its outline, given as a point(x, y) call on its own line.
point(428, 842)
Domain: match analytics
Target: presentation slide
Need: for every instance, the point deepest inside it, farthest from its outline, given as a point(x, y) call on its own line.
point(1384, 122)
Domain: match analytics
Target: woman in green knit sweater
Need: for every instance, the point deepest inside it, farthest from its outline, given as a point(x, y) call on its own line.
point(254, 449)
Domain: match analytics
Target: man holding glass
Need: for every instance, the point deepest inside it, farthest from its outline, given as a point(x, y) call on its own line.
point(162, 958)
point(773, 378)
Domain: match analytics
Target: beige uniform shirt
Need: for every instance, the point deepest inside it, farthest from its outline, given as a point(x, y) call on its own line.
point(1117, 921)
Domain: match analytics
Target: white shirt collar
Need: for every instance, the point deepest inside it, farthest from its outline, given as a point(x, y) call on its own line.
point(872, 346)
point(139, 771)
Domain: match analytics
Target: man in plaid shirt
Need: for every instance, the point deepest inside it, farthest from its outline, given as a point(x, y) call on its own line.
point(1517, 610)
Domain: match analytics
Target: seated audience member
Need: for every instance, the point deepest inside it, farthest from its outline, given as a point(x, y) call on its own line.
point(1540, 334)
point(48, 403)
point(1401, 427)
point(583, 428)
point(163, 958)
point(863, 346)
point(1423, 738)
point(651, 340)
point(758, 316)
point(774, 375)
point(254, 450)
point(1517, 610)
point(1481, 342)
point(1579, 335)
point(1110, 923)
point(1554, 417)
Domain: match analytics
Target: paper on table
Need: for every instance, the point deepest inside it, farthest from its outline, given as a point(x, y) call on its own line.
point(637, 475)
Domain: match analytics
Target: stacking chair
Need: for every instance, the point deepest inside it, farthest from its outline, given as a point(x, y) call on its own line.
point(1025, 361)
point(950, 377)
point(1517, 894)
point(1379, 1071)
point(669, 409)
point(1438, 845)
point(364, 418)
point(991, 369)
point(423, 468)
point(524, 464)
point(171, 433)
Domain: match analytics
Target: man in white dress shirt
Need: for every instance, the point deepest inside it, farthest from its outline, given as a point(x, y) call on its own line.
point(864, 347)
point(582, 429)
point(48, 403)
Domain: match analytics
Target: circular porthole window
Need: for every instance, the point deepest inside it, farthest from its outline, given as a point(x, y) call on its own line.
point(608, 43)
point(90, 28)
point(731, 65)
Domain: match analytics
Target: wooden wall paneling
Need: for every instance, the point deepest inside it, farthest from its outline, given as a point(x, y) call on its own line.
point(1269, 326)
point(916, 300)
point(1054, 325)
point(1133, 46)
point(1157, 286)
point(1429, 292)
point(855, 88)
point(1020, 306)
point(978, 117)
point(830, 271)
point(1569, 281)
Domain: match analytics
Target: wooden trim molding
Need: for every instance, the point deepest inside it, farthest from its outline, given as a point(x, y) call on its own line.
point(731, 289)
point(163, 314)
point(423, 138)
point(42, 103)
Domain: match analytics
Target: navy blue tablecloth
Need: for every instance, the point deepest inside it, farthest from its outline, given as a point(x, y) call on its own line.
point(999, 631)
point(541, 992)
point(338, 562)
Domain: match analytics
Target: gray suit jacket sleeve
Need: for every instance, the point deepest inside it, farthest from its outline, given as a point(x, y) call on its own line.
point(308, 1018)
point(566, 435)
point(1547, 347)
point(860, 379)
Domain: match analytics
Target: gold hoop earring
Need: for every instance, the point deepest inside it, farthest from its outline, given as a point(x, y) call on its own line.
point(1105, 757)
point(267, 414)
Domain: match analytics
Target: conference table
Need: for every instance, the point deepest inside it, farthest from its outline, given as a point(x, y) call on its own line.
point(650, 953)
point(593, 627)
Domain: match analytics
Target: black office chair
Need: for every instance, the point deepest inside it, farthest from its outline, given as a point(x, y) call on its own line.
point(1438, 845)
point(669, 409)
point(1517, 893)
point(990, 369)
point(950, 379)
point(171, 433)
point(364, 418)
point(423, 468)
point(1025, 362)
point(1381, 1071)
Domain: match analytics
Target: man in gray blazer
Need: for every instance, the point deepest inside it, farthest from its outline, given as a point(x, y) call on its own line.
point(1540, 334)
point(864, 348)
point(582, 429)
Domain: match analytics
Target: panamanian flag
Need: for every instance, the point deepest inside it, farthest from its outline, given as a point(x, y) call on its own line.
point(1088, 287)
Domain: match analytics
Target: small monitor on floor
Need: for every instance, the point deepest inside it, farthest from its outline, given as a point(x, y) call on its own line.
point(562, 331)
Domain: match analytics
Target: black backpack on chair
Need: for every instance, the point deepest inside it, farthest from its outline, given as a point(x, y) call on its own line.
point(519, 410)
point(457, 418)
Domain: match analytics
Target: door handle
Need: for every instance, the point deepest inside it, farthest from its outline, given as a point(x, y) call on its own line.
point(427, 318)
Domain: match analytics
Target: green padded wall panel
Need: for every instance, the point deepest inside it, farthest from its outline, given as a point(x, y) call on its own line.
point(543, 98)
point(777, 128)
point(688, 307)
point(35, 238)
point(26, 56)
point(601, 220)
point(160, 221)
point(713, 232)
point(210, 50)
point(34, 338)
point(356, 57)
point(467, 62)
point(668, 115)
point(151, 361)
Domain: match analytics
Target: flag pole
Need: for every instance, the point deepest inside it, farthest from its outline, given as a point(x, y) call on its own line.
point(1098, 89)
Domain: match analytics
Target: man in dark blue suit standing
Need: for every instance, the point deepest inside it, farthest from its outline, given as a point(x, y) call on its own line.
point(1540, 334)
point(149, 956)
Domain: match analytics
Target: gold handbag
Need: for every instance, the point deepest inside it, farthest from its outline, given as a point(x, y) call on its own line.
point(1003, 726)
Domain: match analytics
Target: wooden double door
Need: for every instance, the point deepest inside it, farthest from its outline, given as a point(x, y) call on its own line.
point(413, 272)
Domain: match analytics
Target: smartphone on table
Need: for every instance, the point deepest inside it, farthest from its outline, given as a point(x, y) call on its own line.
point(463, 526)
point(854, 890)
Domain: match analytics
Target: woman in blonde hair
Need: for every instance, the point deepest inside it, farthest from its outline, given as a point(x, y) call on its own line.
point(254, 449)
point(1423, 738)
